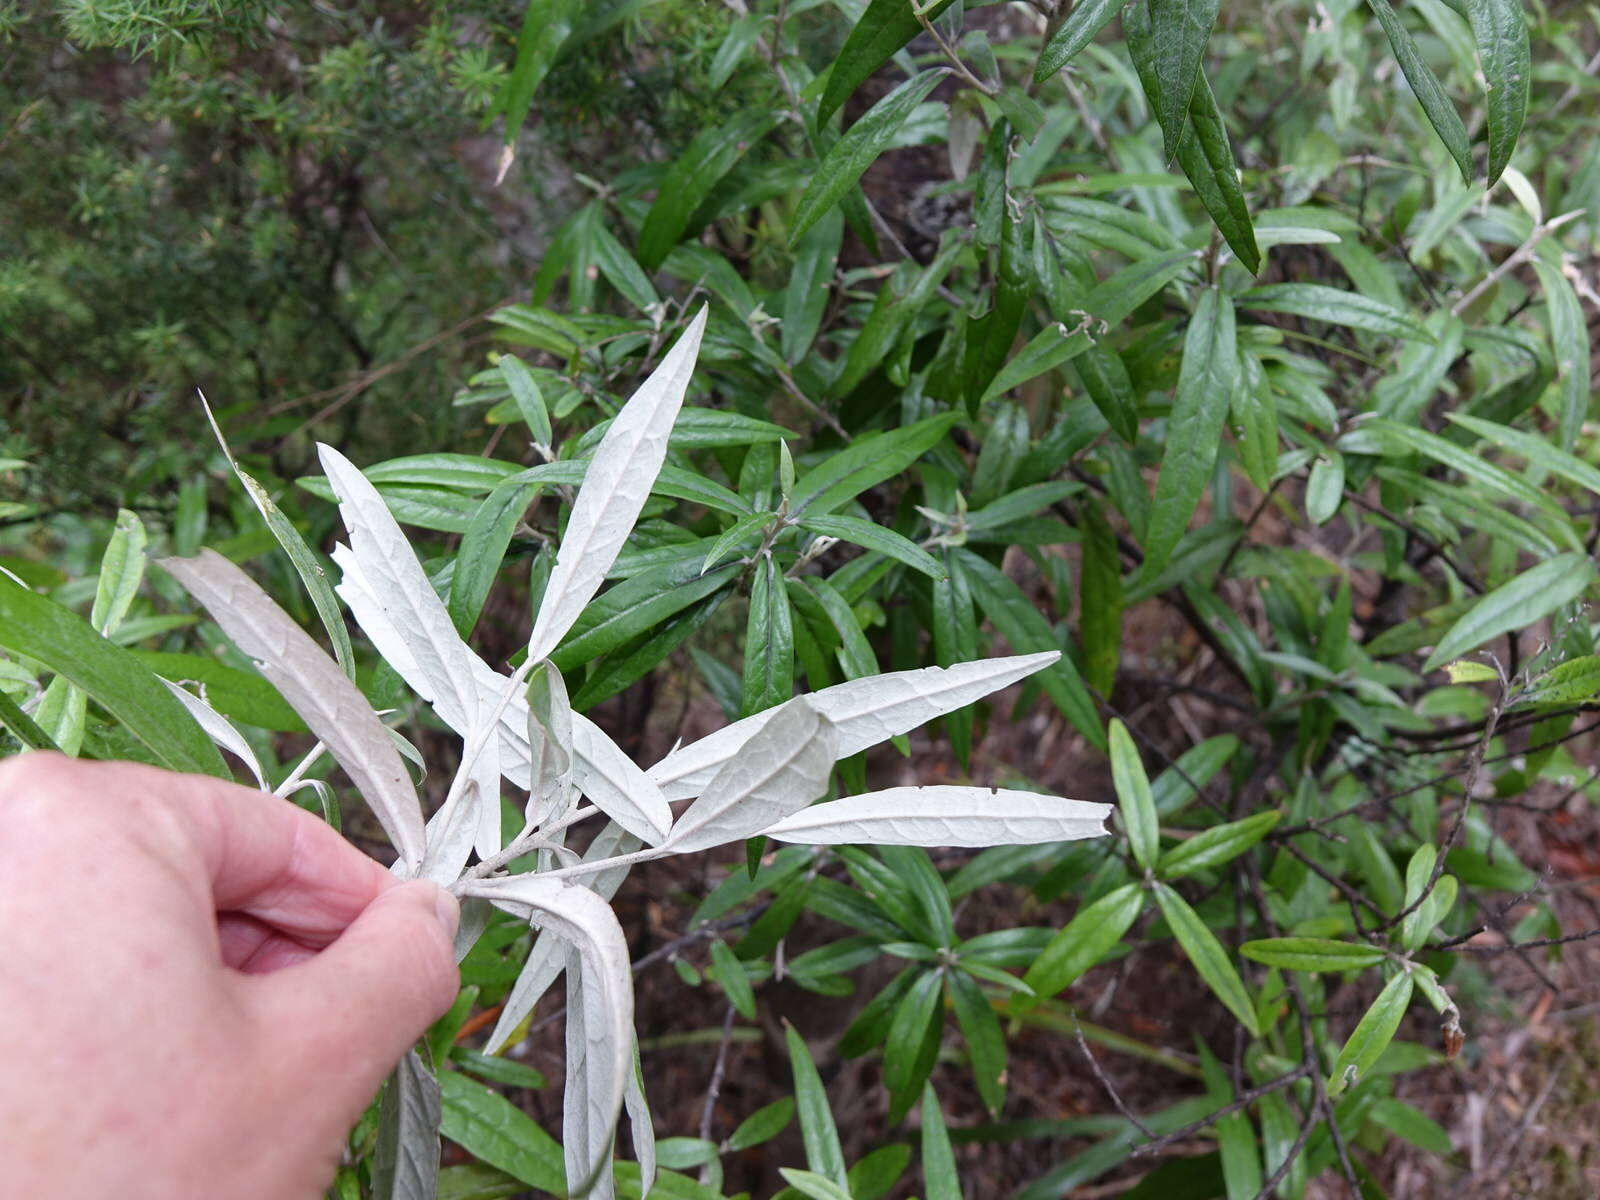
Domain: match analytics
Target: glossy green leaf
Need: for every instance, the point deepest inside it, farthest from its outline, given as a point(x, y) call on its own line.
point(732, 977)
point(1207, 379)
point(60, 640)
point(703, 163)
point(817, 1130)
point(546, 25)
point(528, 398)
point(1083, 942)
point(1372, 1034)
point(1425, 85)
point(1208, 956)
point(1530, 597)
point(1311, 954)
point(1134, 801)
point(908, 1029)
point(1086, 19)
point(853, 153)
point(868, 461)
point(768, 642)
point(1500, 29)
point(1325, 488)
point(874, 537)
point(805, 297)
point(881, 31)
point(492, 1129)
point(986, 1043)
point(763, 1125)
point(1217, 846)
point(1535, 449)
point(1179, 30)
point(939, 1178)
point(1317, 302)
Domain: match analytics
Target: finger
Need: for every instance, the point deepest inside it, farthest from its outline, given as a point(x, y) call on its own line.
point(354, 1009)
point(259, 854)
point(254, 948)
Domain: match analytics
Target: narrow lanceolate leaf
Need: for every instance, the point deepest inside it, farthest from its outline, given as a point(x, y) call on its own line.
point(615, 784)
point(867, 462)
point(1133, 797)
point(605, 1006)
point(1337, 307)
point(1179, 30)
point(883, 29)
point(1085, 940)
point(641, 1125)
point(703, 163)
point(875, 537)
point(58, 638)
point(1216, 847)
point(853, 153)
point(220, 731)
point(1203, 150)
point(615, 488)
point(1372, 1034)
point(1528, 598)
point(1569, 339)
point(821, 1136)
point(1429, 91)
point(331, 706)
point(768, 640)
point(1325, 488)
point(405, 1163)
point(550, 741)
point(1208, 956)
point(1086, 19)
point(301, 556)
point(1501, 31)
point(121, 569)
point(943, 815)
point(779, 771)
point(1207, 379)
point(864, 712)
point(1311, 954)
point(939, 1178)
point(805, 297)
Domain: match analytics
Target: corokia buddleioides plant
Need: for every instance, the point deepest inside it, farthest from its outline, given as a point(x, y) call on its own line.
point(757, 777)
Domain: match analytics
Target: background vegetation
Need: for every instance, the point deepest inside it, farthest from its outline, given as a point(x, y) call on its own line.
point(1272, 411)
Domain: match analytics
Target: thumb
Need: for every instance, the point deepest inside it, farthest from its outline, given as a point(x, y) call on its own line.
point(349, 1014)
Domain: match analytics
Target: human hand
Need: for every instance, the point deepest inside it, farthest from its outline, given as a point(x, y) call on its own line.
point(203, 986)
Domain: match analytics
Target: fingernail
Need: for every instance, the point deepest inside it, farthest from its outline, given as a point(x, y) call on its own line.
point(448, 910)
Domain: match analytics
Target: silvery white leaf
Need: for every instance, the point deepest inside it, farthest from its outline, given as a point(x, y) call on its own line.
point(395, 580)
point(450, 836)
point(865, 712)
point(586, 1137)
point(315, 687)
point(641, 1126)
point(615, 487)
point(391, 640)
point(483, 787)
point(598, 1065)
point(220, 730)
point(944, 816)
point(616, 785)
point(779, 771)
point(548, 956)
point(406, 1158)
point(550, 744)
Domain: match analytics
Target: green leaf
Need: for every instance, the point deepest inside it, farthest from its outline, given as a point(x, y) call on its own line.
point(1572, 682)
point(732, 977)
point(1429, 91)
point(1133, 797)
point(1022, 624)
point(1569, 338)
point(1046, 350)
point(1535, 449)
point(1528, 598)
point(908, 1029)
point(871, 1177)
point(1236, 1139)
point(986, 1042)
point(1179, 30)
point(1214, 847)
point(1325, 488)
point(692, 176)
point(1203, 149)
point(1086, 19)
point(1105, 378)
point(875, 537)
point(817, 1130)
point(1100, 601)
point(1113, 299)
point(492, 1129)
point(1401, 1119)
point(1085, 940)
point(853, 153)
point(22, 726)
point(763, 1125)
point(528, 398)
point(741, 531)
point(768, 641)
point(939, 1178)
point(1372, 1034)
point(483, 549)
point(882, 30)
point(121, 569)
point(494, 1069)
point(1501, 32)
point(634, 606)
point(57, 638)
point(812, 1185)
point(866, 463)
point(545, 29)
point(1311, 954)
point(805, 297)
point(1335, 306)
point(1208, 957)
point(1207, 380)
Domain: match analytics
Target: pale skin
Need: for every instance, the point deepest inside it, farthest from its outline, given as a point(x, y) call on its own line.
point(202, 986)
